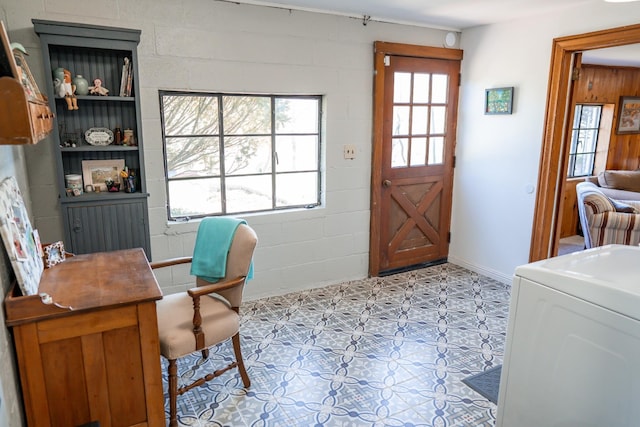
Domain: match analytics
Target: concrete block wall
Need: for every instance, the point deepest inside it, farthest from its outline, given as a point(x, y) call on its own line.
point(204, 45)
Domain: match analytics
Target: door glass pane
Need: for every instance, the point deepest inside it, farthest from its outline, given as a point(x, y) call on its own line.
point(418, 151)
point(296, 189)
point(437, 119)
point(439, 89)
point(190, 197)
point(248, 193)
point(247, 154)
point(399, 152)
point(420, 88)
point(419, 121)
point(436, 150)
point(401, 87)
point(400, 120)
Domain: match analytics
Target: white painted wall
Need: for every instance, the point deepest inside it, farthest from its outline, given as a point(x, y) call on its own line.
point(498, 156)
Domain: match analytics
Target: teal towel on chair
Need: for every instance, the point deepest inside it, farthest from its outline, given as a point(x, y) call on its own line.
point(213, 241)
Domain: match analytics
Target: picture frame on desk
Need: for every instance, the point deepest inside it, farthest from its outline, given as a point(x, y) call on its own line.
point(96, 172)
point(20, 239)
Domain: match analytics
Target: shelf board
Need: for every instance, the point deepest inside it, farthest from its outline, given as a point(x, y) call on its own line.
point(99, 148)
point(99, 98)
point(102, 196)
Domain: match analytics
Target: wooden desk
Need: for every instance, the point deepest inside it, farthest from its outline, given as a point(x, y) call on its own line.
point(95, 356)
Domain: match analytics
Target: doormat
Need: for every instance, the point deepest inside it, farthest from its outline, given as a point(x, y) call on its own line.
point(486, 383)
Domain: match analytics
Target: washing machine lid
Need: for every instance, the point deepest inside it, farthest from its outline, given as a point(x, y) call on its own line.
point(608, 276)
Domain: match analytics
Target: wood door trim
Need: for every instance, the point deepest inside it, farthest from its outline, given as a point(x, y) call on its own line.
point(381, 49)
point(552, 169)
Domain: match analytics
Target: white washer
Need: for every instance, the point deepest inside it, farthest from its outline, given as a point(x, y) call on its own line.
point(572, 355)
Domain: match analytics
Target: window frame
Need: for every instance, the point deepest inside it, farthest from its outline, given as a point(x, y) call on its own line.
point(573, 148)
point(222, 174)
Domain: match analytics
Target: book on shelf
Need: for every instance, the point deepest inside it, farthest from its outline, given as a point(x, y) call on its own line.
point(126, 71)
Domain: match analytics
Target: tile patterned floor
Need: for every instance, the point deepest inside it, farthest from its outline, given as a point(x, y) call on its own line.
point(388, 351)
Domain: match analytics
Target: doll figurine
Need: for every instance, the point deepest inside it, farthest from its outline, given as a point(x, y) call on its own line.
point(97, 88)
point(69, 91)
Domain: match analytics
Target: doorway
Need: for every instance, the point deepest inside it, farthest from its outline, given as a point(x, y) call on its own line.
point(553, 161)
point(415, 115)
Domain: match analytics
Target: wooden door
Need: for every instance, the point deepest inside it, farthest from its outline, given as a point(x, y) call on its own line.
point(414, 142)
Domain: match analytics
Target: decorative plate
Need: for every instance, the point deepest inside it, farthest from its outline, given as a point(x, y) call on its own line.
point(99, 136)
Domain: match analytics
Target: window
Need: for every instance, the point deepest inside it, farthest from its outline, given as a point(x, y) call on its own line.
point(228, 154)
point(584, 139)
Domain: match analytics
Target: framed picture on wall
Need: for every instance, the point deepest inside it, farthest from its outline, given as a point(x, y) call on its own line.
point(498, 100)
point(629, 115)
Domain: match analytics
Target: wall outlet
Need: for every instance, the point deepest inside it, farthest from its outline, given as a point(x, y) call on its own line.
point(349, 151)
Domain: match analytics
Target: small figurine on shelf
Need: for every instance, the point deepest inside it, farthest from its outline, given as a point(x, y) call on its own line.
point(69, 91)
point(97, 88)
point(128, 179)
point(111, 185)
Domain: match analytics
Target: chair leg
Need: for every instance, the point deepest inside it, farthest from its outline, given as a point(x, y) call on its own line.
point(236, 349)
point(173, 393)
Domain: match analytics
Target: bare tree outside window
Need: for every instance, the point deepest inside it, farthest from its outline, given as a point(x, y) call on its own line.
point(229, 153)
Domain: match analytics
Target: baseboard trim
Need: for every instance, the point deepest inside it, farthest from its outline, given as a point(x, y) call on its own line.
point(493, 274)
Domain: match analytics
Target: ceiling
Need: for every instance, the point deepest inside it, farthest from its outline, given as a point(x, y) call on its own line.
point(444, 14)
point(454, 15)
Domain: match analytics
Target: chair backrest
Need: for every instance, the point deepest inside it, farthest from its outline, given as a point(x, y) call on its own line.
point(238, 262)
point(590, 200)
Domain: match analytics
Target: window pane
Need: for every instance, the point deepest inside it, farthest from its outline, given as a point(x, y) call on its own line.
point(296, 153)
point(190, 115)
point(419, 120)
point(587, 141)
point(247, 154)
point(437, 119)
point(190, 157)
point(583, 164)
point(420, 88)
point(248, 193)
point(590, 116)
point(193, 197)
point(440, 87)
point(399, 152)
point(246, 115)
point(297, 189)
point(418, 151)
point(296, 115)
point(400, 120)
point(436, 151)
point(401, 87)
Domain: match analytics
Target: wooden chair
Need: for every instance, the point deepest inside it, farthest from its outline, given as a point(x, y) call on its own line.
point(205, 316)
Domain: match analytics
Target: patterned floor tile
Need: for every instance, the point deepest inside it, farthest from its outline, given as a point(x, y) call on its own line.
point(388, 351)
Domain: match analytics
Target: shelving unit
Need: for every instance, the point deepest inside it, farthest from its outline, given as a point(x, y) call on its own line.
point(105, 221)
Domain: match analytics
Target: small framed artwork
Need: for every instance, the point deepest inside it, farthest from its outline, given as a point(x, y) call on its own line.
point(53, 254)
point(96, 172)
point(629, 116)
point(498, 100)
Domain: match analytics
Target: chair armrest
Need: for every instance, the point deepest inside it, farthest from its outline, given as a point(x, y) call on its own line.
point(215, 287)
point(616, 221)
point(170, 262)
point(197, 292)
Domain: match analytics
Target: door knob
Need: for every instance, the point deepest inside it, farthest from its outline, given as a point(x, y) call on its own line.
point(386, 183)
